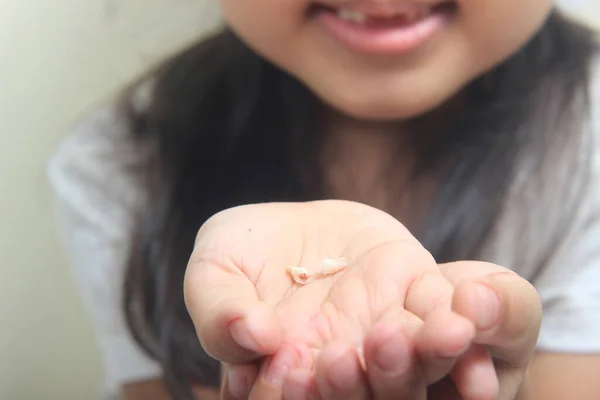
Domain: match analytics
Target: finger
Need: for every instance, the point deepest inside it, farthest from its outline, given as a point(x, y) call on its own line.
point(460, 271)
point(238, 380)
point(390, 363)
point(512, 339)
point(475, 376)
point(429, 292)
point(507, 312)
point(300, 385)
point(339, 373)
point(233, 325)
point(444, 337)
point(273, 372)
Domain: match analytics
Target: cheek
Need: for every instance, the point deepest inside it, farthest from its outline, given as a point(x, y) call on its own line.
point(267, 26)
point(496, 29)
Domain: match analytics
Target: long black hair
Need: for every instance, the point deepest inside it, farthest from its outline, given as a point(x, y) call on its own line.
point(229, 128)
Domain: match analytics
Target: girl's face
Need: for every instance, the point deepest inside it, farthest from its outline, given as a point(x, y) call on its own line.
point(386, 59)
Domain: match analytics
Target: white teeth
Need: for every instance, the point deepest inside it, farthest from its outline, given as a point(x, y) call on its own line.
point(410, 15)
point(351, 16)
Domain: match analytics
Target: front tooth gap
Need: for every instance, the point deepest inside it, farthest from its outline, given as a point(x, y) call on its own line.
point(351, 16)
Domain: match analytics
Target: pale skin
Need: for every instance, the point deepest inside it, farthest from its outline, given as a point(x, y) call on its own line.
point(392, 297)
point(240, 234)
point(476, 41)
point(390, 283)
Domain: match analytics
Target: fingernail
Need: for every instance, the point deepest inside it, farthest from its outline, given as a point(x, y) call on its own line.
point(278, 367)
point(393, 355)
point(240, 333)
point(488, 312)
point(238, 384)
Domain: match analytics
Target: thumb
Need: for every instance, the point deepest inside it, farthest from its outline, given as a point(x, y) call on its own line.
point(507, 312)
point(233, 324)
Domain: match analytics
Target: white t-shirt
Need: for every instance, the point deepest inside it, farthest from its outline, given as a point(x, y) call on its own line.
point(95, 192)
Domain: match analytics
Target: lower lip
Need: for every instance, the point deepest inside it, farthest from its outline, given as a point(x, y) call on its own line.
point(385, 39)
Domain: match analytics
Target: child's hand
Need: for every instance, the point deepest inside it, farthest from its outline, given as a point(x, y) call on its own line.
point(507, 318)
point(245, 305)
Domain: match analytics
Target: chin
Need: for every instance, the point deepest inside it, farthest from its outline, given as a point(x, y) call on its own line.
point(385, 109)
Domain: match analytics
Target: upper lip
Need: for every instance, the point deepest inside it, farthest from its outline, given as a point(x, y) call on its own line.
point(379, 8)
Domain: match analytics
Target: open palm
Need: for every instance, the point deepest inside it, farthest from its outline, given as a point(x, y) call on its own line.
point(245, 304)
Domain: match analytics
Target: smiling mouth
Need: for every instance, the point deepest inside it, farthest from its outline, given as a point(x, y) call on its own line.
point(385, 28)
point(367, 12)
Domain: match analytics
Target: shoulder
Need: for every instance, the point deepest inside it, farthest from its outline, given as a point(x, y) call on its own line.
point(591, 202)
point(93, 137)
point(568, 283)
point(102, 133)
point(93, 175)
point(594, 95)
point(93, 169)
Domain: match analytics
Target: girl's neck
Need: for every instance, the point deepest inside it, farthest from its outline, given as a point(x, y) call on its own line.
point(368, 163)
point(374, 162)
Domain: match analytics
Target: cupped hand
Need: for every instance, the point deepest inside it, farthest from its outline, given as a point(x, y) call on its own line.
point(506, 312)
point(391, 297)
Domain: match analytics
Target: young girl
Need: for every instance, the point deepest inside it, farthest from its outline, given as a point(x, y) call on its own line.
point(474, 123)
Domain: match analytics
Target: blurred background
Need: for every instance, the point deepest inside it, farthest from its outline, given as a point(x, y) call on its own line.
point(58, 58)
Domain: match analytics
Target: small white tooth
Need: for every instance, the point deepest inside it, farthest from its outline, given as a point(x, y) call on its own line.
point(332, 266)
point(351, 16)
point(342, 13)
point(300, 275)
